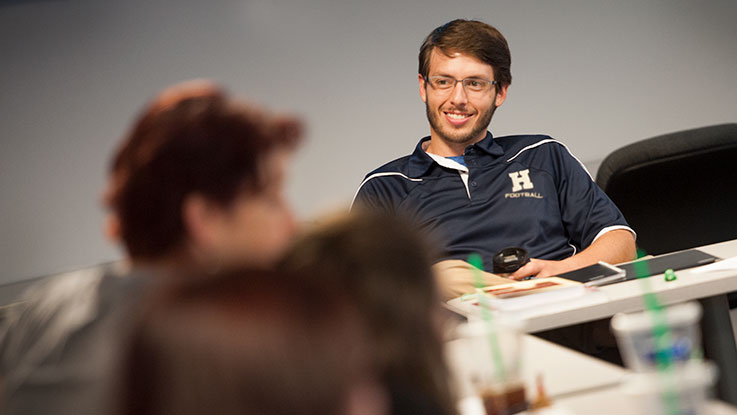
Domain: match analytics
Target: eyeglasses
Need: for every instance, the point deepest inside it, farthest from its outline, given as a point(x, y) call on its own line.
point(446, 84)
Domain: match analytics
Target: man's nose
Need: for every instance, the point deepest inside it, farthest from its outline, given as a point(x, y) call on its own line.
point(459, 96)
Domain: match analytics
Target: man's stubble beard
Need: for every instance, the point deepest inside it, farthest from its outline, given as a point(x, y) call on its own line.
point(478, 130)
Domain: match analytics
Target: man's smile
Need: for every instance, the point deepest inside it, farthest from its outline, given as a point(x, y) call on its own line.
point(456, 117)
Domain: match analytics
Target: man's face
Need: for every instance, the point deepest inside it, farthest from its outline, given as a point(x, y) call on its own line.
point(457, 117)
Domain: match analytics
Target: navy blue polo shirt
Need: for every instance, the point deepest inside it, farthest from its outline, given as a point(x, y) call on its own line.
point(526, 191)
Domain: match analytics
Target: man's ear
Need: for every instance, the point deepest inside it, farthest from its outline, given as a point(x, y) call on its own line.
point(423, 90)
point(202, 220)
point(501, 95)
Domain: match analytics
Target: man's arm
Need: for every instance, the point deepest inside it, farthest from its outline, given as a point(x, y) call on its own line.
point(455, 277)
point(613, 247)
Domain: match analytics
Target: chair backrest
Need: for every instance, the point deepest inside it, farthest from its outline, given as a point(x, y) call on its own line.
point(677, 190)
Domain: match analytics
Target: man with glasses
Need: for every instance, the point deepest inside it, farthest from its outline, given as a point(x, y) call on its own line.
point(481, 194)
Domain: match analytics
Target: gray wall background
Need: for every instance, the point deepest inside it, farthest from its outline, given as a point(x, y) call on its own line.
point(594, 74)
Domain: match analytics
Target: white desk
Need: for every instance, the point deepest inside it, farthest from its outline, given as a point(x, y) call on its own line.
point(627, 296)
point(574, 381)
point(564, 371)
point(710, 288)
point(608, 402)
point(611, 402)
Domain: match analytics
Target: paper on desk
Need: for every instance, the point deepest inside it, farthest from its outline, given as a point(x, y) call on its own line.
point(723, 265)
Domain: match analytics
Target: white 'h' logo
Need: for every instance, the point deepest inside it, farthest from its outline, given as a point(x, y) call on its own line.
point(521, 180)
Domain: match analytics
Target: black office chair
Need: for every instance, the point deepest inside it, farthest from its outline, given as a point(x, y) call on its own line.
point(678, 190)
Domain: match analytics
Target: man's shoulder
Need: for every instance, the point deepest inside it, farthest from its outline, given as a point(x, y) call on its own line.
point(399, 165)
point(394, 173)
point(390, 183)
point(538, 150)
point(514, 144)
point(542, 152)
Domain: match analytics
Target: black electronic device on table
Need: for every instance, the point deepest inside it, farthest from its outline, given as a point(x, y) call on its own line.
point(657, 265)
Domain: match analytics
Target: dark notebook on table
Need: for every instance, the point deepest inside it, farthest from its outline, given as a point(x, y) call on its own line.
point(657, 265)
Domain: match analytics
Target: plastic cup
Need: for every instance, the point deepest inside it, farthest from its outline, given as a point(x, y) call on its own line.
point(634, 332)
point(683, 390)
point(485, 359)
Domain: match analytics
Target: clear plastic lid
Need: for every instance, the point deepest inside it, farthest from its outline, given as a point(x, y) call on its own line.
point(677, 315)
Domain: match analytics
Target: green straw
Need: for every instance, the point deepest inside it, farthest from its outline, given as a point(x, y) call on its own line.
point(662, 338)
point(496, 351)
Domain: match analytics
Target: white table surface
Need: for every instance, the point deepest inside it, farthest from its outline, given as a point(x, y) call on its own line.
point(627, 296)
point(564, 371)
point(612, 402)
point(577, 384)
point(609, 402)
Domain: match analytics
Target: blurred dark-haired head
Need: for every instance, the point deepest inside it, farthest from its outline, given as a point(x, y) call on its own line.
point(384, 263)
point(199, 178)
point(249, 342)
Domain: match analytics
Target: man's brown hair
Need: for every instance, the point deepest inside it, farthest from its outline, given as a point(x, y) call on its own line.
point(470, 37)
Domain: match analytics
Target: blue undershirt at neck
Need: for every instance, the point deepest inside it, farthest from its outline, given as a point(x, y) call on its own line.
point(458, 159)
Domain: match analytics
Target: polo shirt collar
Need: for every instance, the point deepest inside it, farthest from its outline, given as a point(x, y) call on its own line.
point(420, 162)
point(489, 146)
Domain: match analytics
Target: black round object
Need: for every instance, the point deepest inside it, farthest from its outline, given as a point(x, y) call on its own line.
point(509, 260)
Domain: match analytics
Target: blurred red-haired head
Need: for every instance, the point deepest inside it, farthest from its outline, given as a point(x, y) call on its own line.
point(193, 152)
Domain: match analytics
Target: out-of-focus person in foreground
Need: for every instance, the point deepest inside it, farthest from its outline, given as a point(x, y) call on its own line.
point(196, 185)
point(384, 264)
point(250, 342)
